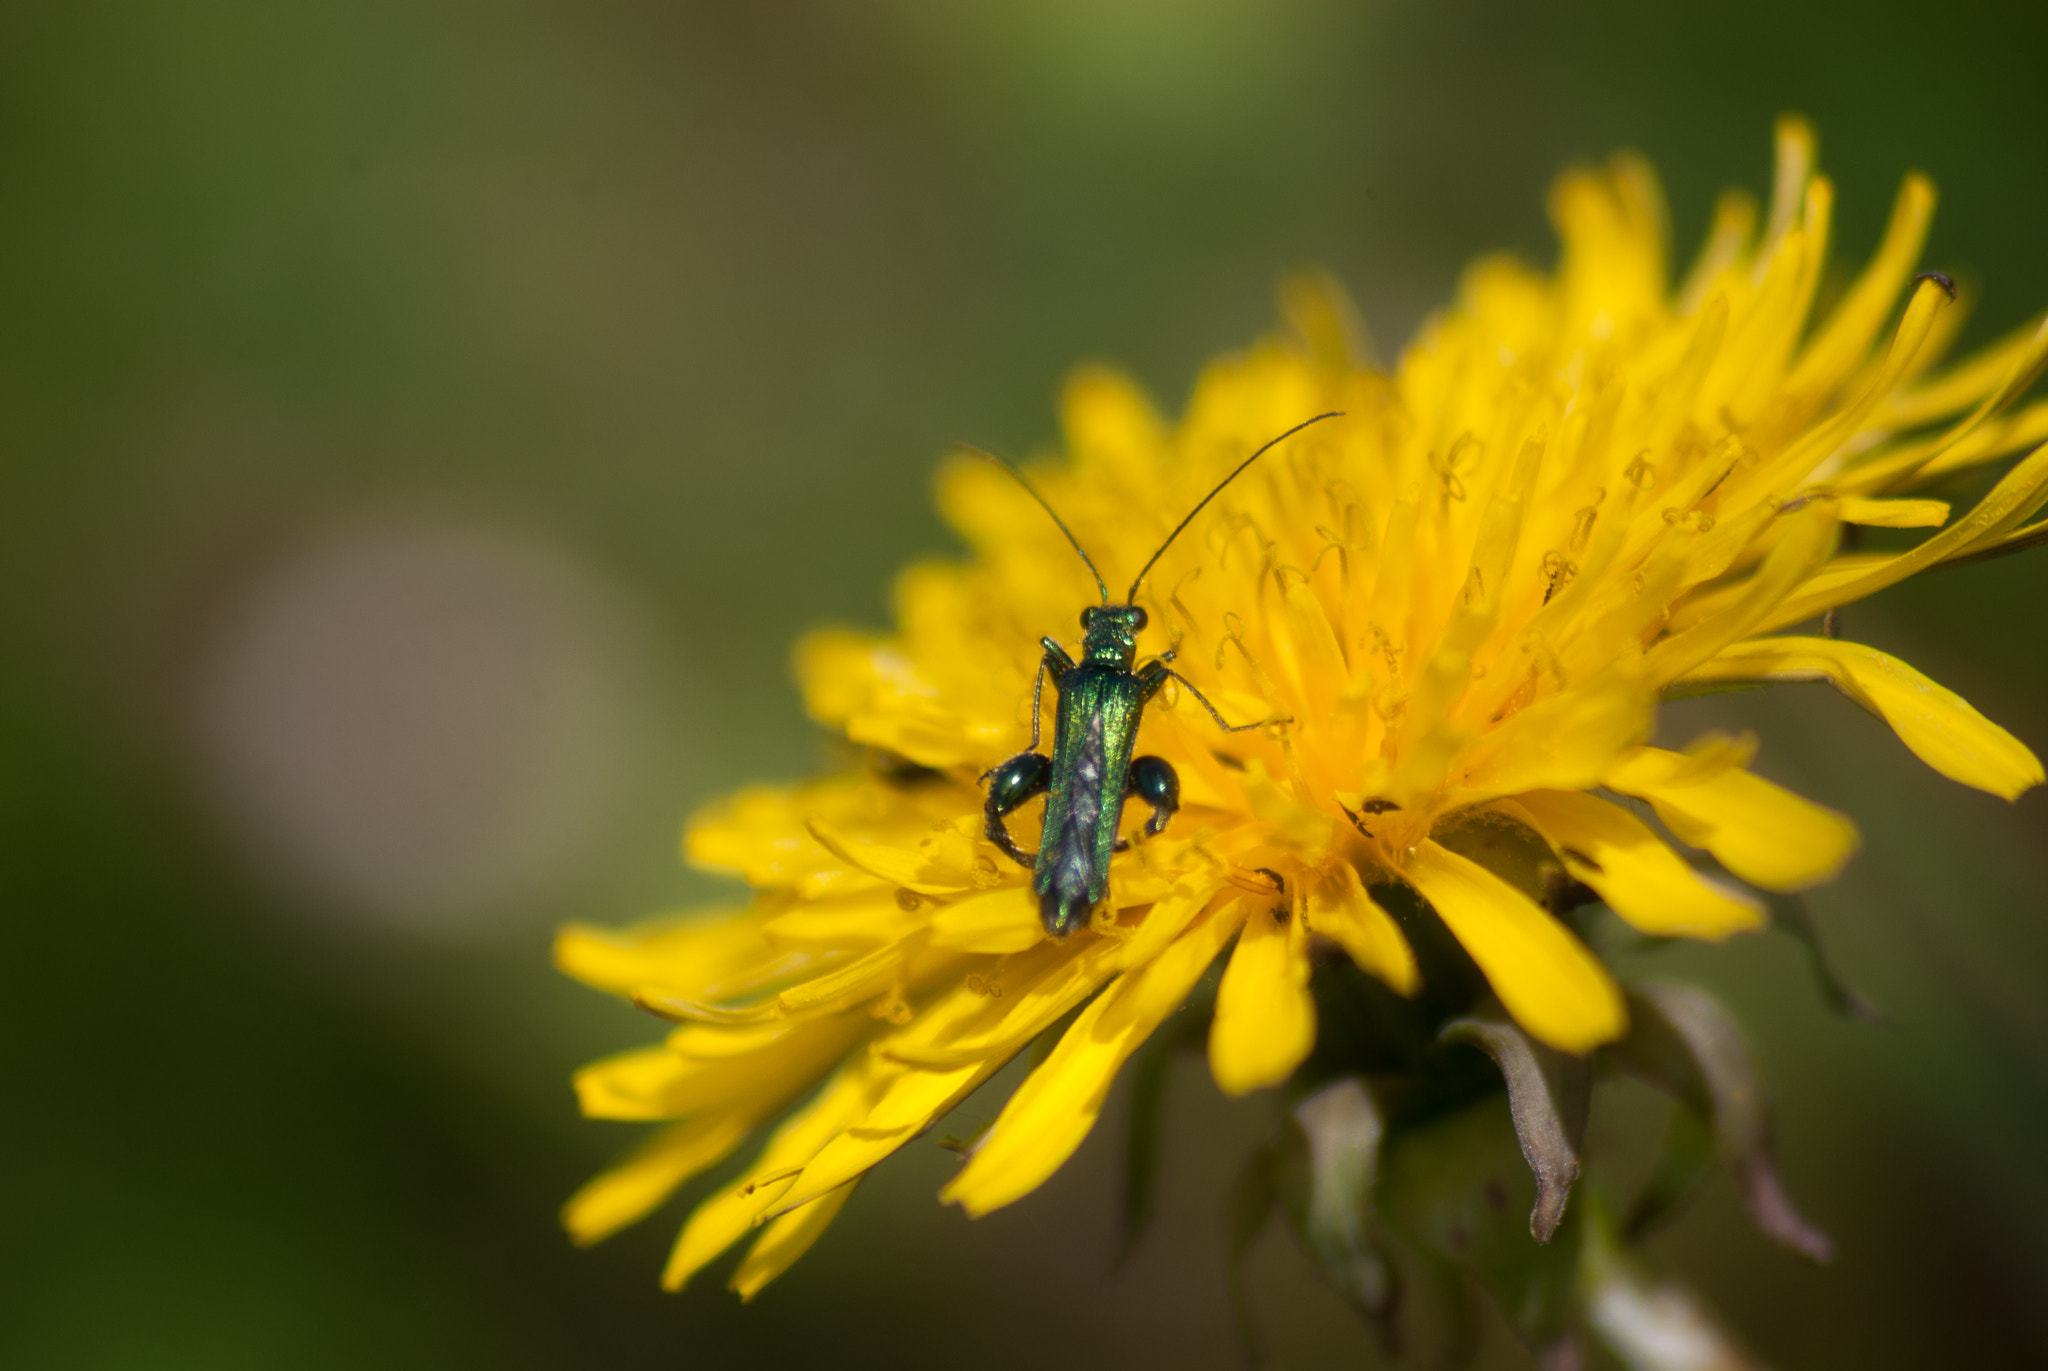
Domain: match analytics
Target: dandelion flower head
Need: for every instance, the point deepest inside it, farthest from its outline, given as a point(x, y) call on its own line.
point(1457, 606)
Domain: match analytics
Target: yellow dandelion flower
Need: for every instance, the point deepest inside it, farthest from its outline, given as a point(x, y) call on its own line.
point(1458, 606)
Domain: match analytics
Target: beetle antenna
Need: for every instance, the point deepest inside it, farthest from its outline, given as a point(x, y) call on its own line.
point(1100, 584)
point(1133, 596)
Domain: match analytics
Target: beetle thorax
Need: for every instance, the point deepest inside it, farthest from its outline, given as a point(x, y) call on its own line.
point(1110, 635)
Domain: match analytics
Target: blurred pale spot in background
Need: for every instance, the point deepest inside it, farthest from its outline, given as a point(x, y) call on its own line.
point(420, 721)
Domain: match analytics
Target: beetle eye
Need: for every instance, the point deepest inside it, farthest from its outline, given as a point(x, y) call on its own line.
point(1088, 618)
point(1138, 619)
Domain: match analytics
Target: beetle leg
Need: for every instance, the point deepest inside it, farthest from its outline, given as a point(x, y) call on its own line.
point(1056, 661)
point(1014, 782)
point(1153, 781)
point(1155, 675)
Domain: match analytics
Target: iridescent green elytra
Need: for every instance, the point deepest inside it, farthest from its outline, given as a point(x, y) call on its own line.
point(1091, 771)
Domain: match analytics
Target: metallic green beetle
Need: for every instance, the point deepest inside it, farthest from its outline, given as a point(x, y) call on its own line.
point(1091, 771)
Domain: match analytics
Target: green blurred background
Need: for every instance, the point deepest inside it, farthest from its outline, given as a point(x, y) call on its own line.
point(427, 424)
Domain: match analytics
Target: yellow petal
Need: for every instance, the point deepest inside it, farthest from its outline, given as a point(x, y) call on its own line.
point(786, 1239)
point(631, 1085)
point(707, 955)
point(837, 669)
point(859, 980)
point(1111, 424)
point(1808, 538)
point(1792, 169)
point(1640, 878)
point(1995, 438)
point(1321, 315)
point(867, 918)
point(906, 1106)
point(1265, 1022)
point(1544, 976)
point(2017, 495)
point(1841, 342)
point(1565, 742)
point(1000, 1010)
point(1340, 909)
point(1005, 919)
point(1902, 359)
point(1965, 383)
point(636, 1186)
point(709, 1043)
point(1170, 916)
point(1762, 832)
point(1937, 724)
point(1734, 221)
point(724, 1218)
point(662, 1083)
point(876, 692)
point(901, 866)
point(1302, 829)
point(1856, 509)
point(758, 833)
point(1058, 1103)
point(1310, 659)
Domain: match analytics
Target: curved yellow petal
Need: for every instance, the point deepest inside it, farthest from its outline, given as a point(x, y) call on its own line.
point(697, 954)
point(837, 669)
point(666, 1083)
point(1734, 220)
point(631, 1085)
point(724, 1219)
point(1545, 977)
point(1340, 909)
point(1002, 1008)
point(1058, 1103)
point(1936, 723)
point(1841, 342)
point(1762, 832)
point(2019, 493)
point(885, 862)
point(1001, 920)
point(1641, 879)
point(906, 1106)
point(1265, 1021)
point(1808, 538)
point(867, 918)
point(1566, 741)
point(631, 1190)
point(1169, 916)
point(1111, 424)
point(850, 984)
point(784, 1240)
point(1963, 384)
point(1874, 513)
